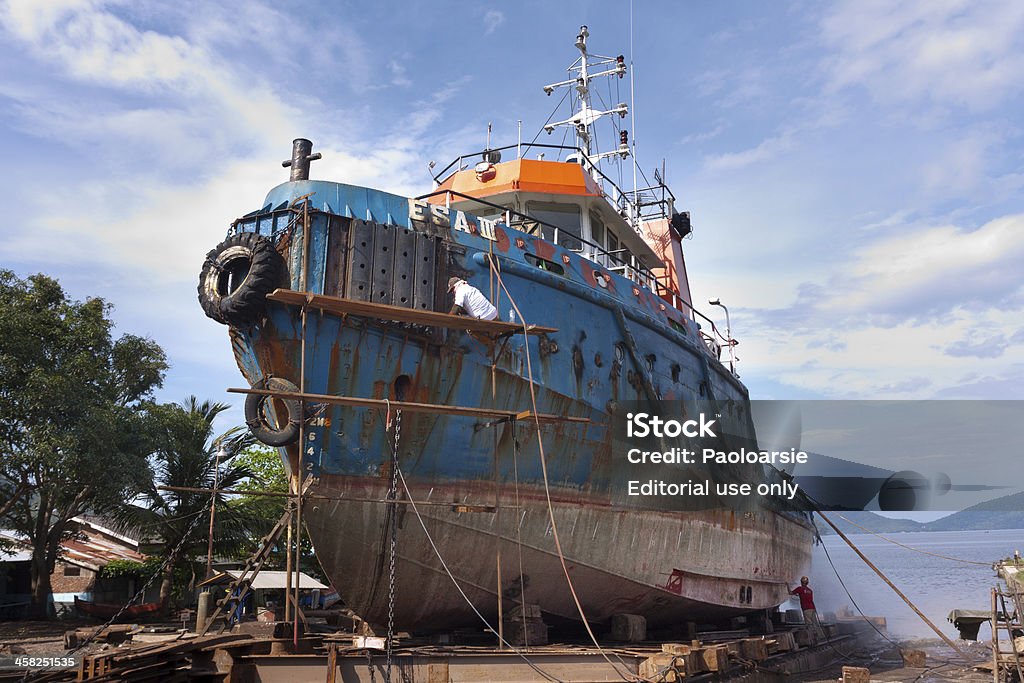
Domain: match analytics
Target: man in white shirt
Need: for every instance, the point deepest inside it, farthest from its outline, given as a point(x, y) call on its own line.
point(470, 301)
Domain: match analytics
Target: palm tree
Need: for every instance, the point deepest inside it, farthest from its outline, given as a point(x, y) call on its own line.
point(185, 456)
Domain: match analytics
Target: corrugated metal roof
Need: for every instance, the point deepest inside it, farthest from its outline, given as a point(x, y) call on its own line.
point(267, 580)
point(94, 552)
point(16, 556)
point(92, 547)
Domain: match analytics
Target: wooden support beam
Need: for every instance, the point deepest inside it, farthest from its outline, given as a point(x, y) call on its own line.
point(411, 406)
point(368, 309)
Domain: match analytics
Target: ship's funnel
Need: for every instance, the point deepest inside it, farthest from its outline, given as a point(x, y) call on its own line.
point(299, 163)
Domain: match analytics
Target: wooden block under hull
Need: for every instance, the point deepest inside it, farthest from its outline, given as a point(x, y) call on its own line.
point(629, 628)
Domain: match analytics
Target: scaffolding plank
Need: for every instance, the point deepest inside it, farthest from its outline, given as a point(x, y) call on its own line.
point(411, 406)
point(367, 309)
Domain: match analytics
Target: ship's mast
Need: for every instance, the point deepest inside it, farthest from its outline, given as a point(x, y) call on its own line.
point(584, 116)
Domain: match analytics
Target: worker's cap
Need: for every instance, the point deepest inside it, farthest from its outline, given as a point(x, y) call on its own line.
point(452, 282)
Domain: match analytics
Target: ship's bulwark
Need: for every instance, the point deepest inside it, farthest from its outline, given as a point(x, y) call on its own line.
point(614, 345)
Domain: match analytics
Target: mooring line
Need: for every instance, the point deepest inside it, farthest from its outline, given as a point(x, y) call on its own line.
point(908, 547)
point(891, 585)
point(455, 581)
point(547, 489)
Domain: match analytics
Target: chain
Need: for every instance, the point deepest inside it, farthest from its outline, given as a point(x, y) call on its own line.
point(393, 509)
point(369, 665)
point(138, 594)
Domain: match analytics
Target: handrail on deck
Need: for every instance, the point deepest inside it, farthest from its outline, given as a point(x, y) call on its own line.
point(644, 275)
point(635, 202)
point(659, 288)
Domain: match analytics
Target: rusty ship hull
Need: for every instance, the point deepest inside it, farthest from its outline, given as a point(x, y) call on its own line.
point(479, 483)
point(669, 567)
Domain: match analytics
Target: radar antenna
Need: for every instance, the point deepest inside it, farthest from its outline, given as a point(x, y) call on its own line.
point(585, 115)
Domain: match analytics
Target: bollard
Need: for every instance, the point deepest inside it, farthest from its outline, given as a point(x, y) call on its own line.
point(202, 610)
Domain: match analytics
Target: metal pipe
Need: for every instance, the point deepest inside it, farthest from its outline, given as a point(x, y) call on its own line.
point(213, 506)
point(450, 193)
point(302, 425)
point(411, 406)
point(301, 156)
point(728, 334)
point(288, 571)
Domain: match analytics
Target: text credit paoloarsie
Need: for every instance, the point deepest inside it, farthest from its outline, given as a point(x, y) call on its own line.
point(694, 459)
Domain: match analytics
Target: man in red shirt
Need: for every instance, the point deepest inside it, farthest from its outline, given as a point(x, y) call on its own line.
point(807, 605)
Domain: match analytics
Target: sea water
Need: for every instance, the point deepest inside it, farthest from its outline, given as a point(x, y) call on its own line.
point(934, 584)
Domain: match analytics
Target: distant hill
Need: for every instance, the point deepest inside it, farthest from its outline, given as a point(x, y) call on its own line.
point(869, 520)
point(1006, 512)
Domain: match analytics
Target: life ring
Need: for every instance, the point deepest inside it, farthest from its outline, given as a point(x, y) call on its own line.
point(237, 276)
point(258, 421)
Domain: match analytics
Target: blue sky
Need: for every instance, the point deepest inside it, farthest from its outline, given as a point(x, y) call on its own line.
point(854, 169)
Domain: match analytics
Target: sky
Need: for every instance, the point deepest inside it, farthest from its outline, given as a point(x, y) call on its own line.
point(854, 170)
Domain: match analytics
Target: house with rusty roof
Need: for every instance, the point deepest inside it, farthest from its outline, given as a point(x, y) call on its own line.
point(91, 546)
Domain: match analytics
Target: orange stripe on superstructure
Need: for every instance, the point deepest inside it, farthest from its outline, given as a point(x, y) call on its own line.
point(524, 175)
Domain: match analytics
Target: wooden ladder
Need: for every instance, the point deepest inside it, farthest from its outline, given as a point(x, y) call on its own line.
point(1009, 621)
point(240, 585)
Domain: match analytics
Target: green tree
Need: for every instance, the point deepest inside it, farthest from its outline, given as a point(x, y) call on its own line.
point(73, 414)
point(185, 456)
point(269, 476)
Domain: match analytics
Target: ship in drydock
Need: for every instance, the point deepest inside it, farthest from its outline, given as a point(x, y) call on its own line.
point(337, 301)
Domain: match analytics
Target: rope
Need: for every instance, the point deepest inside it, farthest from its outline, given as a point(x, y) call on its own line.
point(891, 585)
point(892, 642)
point(451, 576)
point(547, 488)
point(916, 550)
point(519, 530)
point(551, 116)
point(850, 595)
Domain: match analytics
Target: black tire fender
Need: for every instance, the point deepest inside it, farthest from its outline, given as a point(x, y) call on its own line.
point(259, 422)
point(237, 276)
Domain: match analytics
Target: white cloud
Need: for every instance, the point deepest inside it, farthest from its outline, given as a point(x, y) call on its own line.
point(958, 52)
point(398, 76)
point(766, 150)
point(931, 271)
point(175, 88)
point(979, 347)
point(200, 141)
point(492, 20)
point(717, 130)
point(916, 312)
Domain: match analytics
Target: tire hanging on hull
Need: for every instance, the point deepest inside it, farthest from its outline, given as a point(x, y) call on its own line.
point(258, 421)
point(237, 276)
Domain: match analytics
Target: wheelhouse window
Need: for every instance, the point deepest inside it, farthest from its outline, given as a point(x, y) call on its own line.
point(597, 233)
point(617, 258)
point(565, 217)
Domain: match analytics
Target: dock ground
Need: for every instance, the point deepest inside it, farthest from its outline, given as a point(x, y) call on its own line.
point(273, 657)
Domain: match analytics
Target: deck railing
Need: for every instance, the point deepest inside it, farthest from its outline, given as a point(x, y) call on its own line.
point(633, 270)
point(636, 205)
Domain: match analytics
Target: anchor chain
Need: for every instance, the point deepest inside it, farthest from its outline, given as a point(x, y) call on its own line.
point(393, 509)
